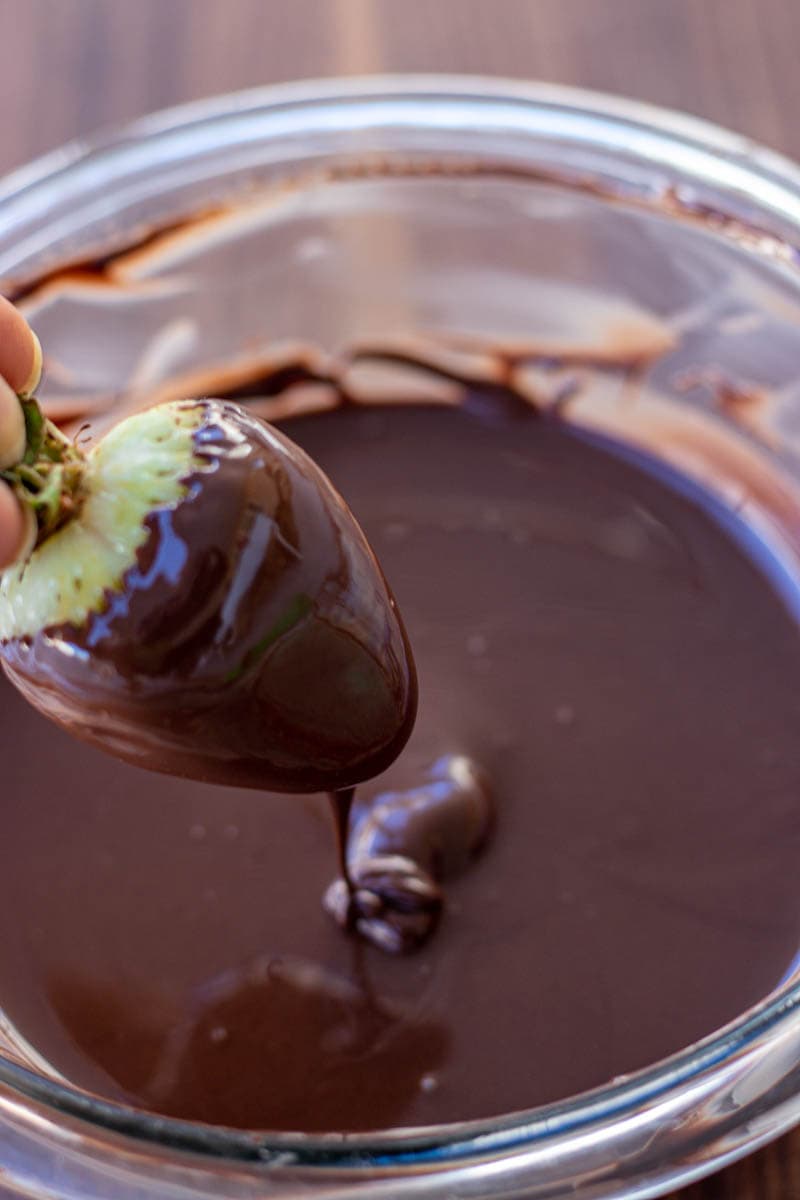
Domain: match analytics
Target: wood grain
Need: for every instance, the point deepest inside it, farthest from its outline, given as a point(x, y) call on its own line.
point(68, 67)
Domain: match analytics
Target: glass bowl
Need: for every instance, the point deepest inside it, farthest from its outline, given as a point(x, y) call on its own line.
point(289, 225)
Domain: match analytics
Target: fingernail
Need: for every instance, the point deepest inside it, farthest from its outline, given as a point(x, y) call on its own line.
point(33, 380)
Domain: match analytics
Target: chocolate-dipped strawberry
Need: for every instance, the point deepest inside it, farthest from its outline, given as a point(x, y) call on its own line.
point(200, 601)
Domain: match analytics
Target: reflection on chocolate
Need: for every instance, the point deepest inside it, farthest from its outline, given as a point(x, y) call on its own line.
point(124, 1030)
point(282, 1043)
point(609, 645)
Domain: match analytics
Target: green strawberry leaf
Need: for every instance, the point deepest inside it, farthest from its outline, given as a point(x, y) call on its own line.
point(34, 430)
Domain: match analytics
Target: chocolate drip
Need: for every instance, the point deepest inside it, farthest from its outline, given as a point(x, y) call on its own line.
point(389, 901)
point(341, 803)
point(440, 822)
point(400, 846)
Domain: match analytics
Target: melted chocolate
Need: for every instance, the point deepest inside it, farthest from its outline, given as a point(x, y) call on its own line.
point(596, 638)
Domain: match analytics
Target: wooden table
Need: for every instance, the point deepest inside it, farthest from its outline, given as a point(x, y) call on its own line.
point(69, 66)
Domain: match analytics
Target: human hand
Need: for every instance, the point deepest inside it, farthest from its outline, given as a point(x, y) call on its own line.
point(20, 372)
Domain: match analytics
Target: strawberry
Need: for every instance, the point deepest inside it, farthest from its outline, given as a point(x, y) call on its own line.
point(200, 601)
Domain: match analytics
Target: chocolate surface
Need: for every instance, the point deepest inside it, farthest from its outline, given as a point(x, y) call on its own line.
point(601, 643)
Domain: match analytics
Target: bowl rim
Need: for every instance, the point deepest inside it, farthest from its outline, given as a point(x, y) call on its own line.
point(765, 1042)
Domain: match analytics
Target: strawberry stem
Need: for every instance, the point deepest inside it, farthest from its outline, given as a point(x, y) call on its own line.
point(49, 478)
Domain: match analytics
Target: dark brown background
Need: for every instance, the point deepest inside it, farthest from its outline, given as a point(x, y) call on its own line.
point(69, 66)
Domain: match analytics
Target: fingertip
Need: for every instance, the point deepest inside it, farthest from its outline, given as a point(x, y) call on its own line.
point(20, 351)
